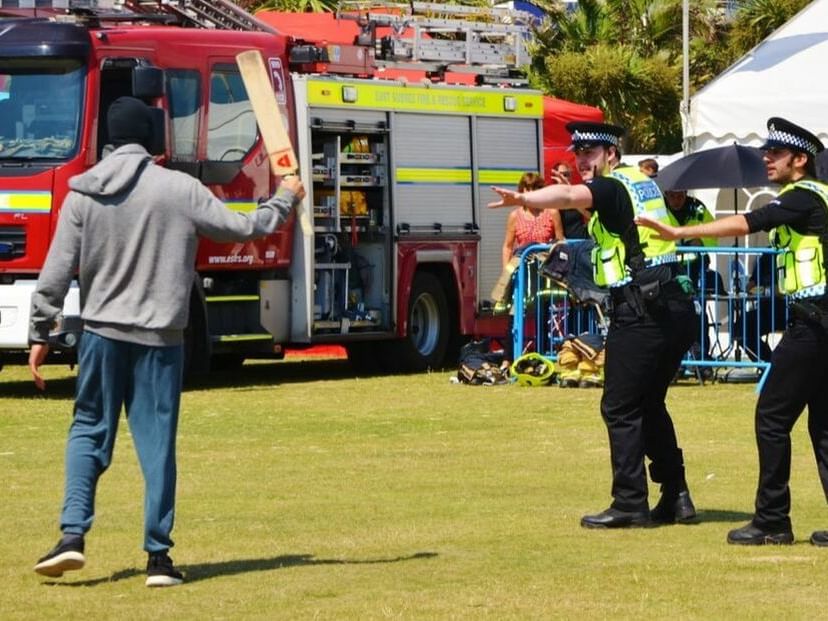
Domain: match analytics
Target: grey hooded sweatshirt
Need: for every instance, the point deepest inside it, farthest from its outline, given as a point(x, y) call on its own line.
point(130, 229)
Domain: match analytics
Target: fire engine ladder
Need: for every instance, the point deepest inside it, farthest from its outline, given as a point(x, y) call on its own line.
point(216, 14)
point(481, 40)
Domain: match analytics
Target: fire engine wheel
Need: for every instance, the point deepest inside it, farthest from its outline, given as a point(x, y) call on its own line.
point(428, 325)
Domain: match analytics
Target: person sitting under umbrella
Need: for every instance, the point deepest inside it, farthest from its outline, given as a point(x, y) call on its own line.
point(689, 210)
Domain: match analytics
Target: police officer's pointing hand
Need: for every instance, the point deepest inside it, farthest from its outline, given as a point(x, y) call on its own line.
point(665, 231)
point(508, 198)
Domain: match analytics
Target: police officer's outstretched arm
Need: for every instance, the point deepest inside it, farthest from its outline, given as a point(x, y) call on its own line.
point(726, 227)
point(549, 197)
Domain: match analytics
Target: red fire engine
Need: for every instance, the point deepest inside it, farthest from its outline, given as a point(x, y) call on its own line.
point(393, 255)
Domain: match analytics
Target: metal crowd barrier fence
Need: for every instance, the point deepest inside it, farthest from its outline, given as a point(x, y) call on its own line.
point(740, 313)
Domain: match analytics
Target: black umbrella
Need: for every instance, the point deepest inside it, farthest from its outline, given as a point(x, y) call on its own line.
point(733, 166)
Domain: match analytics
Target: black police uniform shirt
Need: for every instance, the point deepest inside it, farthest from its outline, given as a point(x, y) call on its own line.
point(574, 226)
point(611, 201)
point(800, 209)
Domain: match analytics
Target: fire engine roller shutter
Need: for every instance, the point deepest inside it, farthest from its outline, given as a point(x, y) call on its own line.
point(432, 160)
point(506, 148)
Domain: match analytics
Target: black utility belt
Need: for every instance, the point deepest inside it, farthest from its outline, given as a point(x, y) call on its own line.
point(648, 297)
point(647, 292)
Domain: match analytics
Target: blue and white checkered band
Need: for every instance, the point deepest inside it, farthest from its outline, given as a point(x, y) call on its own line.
point(798, 142)
point(579, 136)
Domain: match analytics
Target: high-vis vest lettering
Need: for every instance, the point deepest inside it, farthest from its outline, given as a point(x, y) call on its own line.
point(801, 264)
point(609, 257)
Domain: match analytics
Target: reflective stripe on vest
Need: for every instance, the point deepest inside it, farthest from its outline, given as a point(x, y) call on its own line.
point(801, 264)
point(609, 257)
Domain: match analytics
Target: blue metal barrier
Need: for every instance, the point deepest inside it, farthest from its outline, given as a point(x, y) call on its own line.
point(547, 310)
point(736, 299)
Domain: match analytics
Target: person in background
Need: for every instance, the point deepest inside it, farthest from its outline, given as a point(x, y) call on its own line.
point(574, 228)
point(798, 375)
point(573, 220)
point(649, 167)
point(689, 210)
point(527, 226)
point(560, 172)
point(652, 324)
point(129, 229)
point(523, 228)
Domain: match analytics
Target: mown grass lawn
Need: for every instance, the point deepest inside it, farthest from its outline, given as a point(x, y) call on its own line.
point(305, 492)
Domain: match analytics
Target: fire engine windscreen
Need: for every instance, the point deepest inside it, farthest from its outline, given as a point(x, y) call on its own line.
point(40, 107)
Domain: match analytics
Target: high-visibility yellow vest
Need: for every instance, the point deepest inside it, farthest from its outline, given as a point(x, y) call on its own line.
point(699, 214)
point(609, 257)
point(801, 264)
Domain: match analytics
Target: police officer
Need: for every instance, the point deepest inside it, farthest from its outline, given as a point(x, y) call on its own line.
point(689, 210)
point(798, 375)
point(652, 324)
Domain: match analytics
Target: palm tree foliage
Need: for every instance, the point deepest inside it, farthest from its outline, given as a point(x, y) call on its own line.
point(299, 6)
point(625, 56)
point(756, 19)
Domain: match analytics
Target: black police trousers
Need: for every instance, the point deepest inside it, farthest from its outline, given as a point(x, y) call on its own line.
point(797, 377)
point(643, 354)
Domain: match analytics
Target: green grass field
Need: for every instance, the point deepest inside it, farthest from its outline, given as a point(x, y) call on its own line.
point(306, 493)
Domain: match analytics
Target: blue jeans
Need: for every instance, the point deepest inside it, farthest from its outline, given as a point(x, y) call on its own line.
point(146, 381)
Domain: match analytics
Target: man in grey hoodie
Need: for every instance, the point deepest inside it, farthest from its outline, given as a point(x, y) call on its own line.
point(130, 228)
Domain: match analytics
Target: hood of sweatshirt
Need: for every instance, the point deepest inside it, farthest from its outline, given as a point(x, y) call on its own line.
point(114, 173)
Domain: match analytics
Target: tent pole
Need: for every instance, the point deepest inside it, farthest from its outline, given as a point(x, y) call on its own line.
point(685, 72)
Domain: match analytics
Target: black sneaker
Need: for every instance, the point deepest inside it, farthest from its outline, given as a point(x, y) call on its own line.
point(65, 556)
point(161, 572)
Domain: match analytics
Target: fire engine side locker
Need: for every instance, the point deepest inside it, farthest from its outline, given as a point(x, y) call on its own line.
point(346, 238)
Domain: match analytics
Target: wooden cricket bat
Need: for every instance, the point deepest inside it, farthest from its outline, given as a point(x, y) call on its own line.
point(269, 119)
point(274, 133)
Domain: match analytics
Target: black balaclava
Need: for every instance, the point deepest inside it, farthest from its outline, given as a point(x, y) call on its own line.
point(129, 121)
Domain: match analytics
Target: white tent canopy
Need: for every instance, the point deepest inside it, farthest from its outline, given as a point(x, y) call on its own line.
point(782, 76)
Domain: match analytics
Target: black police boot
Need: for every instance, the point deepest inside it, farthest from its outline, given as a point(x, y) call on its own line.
point(675, 505)
point(752, 535)
point(615, 518)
